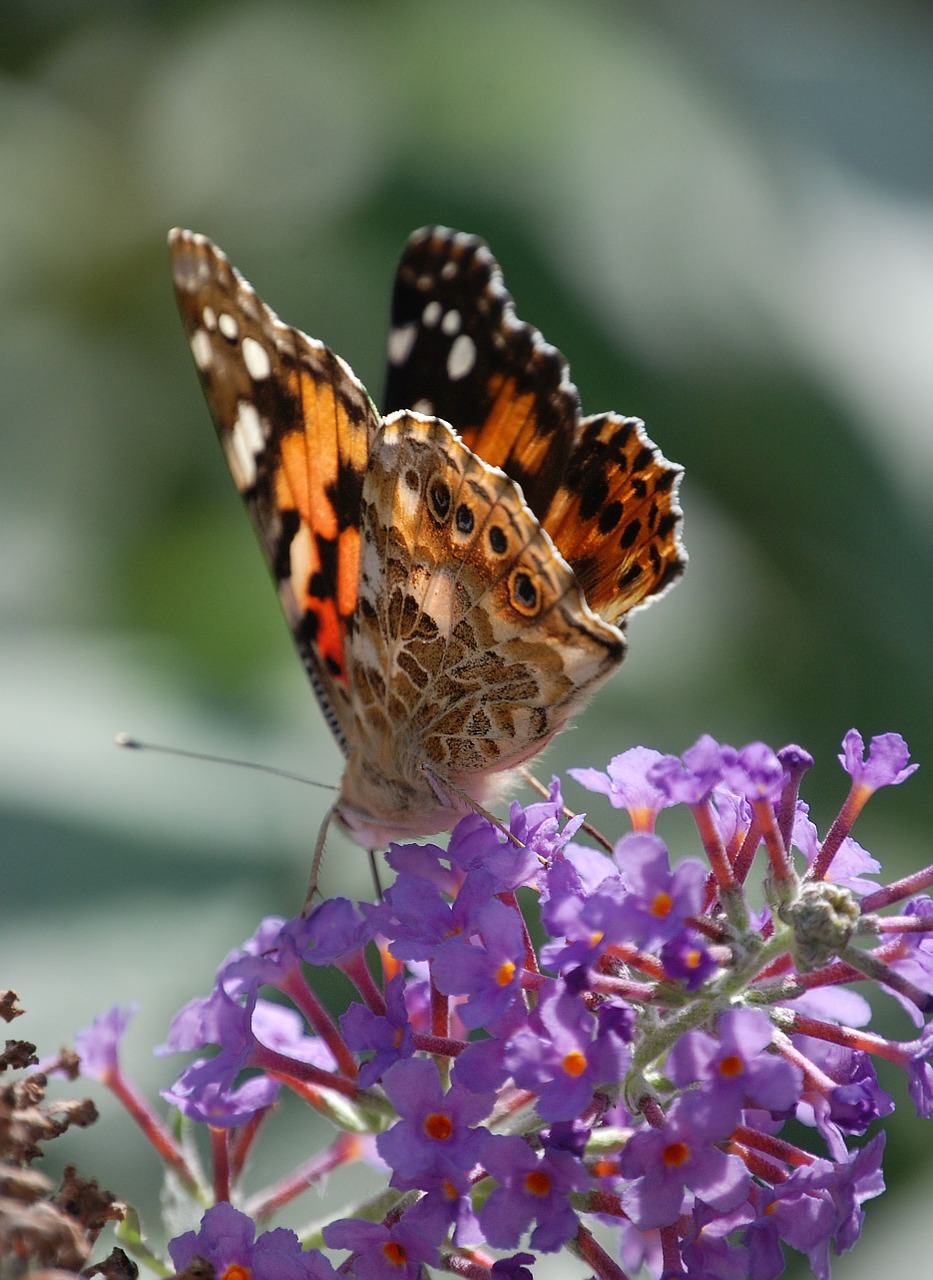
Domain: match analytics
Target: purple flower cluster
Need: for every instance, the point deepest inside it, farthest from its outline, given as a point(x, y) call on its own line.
point(637, 1066)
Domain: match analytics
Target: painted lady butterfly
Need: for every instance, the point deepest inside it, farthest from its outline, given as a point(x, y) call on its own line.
point(457, 573)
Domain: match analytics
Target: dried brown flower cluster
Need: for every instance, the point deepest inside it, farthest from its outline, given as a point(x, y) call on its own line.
point(46, 1233)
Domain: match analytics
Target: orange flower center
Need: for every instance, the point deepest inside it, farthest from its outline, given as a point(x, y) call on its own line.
point(438, 1126)
point(661, 906)
point(574, 1063)
point(505, 973)
point(537, 1182)
point(676, 1154)
point(731, 1067)
point(235, 1272)
point(394, 1253)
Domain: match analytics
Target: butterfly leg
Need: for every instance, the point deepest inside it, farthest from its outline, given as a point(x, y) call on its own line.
point(531, 781)
point(313, 891)
point(446, 791)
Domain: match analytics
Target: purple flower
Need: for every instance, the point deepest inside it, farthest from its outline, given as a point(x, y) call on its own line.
point(735, 1071)
point(687, 959)
point(447, 1206)
point(915, 961)
point(97, 1044)
point(563, 1054)
point(248, 1034)
point(435, 1133)
point(732, 813)
point(690, 778)
point(886, 764)
point(656, 900)
point(798, 1212)
point(920, 1073)
point(513, 1268)
point(755, 772)
point(225, 1241)
point(397, 1252)
point(850, 864)
point(476, 845)
point(332, 931)
point(390, 1035)
point(488, 969)
point(708, 1249)
point(533, 1188)
point(665, 1163)
point(418, 919)
point(858, 1178)
point(814, 1205)
point(202, 1093)
point(852, 1099)
point(262, 958)
point(626, 784)
point(538, 827)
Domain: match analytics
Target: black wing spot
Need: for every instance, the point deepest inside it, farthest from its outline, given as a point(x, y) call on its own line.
point(630, 534)
point(439, 500)
point(609, 517)
point(497, 540)
point(523, 593)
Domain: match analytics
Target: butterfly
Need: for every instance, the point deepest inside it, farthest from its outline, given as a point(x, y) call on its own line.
point(457, 570)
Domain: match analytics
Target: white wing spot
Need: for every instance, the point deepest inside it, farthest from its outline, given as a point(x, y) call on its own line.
point(448, 270)
point(407, 507)
point(209, 316)
point(401, 341)
point(228, 326)
point(462, 357)
point(424, 406)
point(243, 444)
point(431, 314)
point(201, 349)
point(256, 359)
point(451, 323)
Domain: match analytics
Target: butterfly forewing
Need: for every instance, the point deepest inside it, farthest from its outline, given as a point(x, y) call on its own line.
point(296, 427)
point(457, 350)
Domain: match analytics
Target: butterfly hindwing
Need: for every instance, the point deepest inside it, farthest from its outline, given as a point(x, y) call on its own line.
point(479, 643)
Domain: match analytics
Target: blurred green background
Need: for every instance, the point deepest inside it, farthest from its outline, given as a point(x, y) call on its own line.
point(722, 213)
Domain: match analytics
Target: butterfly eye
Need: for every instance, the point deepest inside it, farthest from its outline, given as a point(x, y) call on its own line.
point(464, 519)
point(439, 499)
point(523, 593)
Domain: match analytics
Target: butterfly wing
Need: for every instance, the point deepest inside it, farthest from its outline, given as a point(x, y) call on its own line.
point(599, 486)
point(479, 645)
point(458, 351)
point(296, 428)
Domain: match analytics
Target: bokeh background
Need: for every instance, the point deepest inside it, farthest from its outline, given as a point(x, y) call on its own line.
point(723, 215)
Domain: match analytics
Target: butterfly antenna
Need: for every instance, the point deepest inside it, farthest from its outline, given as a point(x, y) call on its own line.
point(135, 744)
point(529, 778)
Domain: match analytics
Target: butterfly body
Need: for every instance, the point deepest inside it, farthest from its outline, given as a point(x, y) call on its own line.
point(455, 573)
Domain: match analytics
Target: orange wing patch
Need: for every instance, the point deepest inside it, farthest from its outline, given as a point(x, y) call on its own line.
point(615, 518)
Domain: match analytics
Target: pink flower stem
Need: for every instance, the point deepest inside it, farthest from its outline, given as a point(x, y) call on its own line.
point(155, 1129)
